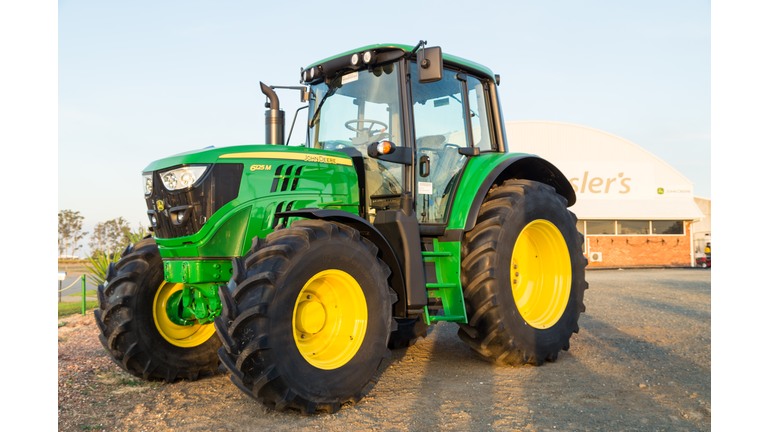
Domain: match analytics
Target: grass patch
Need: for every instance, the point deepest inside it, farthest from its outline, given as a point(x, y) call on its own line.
point(70, 308)
point(90, 293)
point(130, 382)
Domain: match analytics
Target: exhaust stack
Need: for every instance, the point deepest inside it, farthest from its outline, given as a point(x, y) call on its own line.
point(274, 123)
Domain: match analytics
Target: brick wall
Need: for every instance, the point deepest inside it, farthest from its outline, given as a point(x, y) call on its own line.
point(640, 251)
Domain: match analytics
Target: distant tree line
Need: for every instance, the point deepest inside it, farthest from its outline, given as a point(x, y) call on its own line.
point(70, 232)
point(107, 237)
point(110, 235)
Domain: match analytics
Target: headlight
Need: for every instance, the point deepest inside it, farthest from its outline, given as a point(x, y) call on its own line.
point(147, 180)
point(182, 178)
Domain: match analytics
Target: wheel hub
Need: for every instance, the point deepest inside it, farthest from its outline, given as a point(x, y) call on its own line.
point(540, 273)
point(330, 319)
point(310, 317)
point(165, 312)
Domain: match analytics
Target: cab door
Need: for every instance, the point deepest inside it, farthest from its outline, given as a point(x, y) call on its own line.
point(441, 129)
point(451, 120)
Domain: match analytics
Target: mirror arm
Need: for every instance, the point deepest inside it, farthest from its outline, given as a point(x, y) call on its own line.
point(294, 122)
point(416, 48)
point(401, 155)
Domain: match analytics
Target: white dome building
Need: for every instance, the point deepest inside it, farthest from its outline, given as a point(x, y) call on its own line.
point(634, 209)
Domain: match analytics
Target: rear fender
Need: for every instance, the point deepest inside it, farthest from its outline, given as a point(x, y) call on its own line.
point(523, 167)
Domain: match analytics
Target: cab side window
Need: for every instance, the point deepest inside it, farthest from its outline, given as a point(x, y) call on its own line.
point(478, 112)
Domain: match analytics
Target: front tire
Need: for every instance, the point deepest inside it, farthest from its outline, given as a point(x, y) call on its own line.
point(523, 273)
point(306, 317)
point(134, 328)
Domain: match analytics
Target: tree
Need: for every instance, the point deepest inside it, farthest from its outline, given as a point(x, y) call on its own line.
point(117, 234)
point(70, 232)
point(98, 238)
point(63, 234)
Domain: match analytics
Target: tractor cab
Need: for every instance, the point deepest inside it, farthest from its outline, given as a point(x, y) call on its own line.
point(361, 104)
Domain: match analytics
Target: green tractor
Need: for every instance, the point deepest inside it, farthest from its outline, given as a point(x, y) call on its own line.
point(405, 207)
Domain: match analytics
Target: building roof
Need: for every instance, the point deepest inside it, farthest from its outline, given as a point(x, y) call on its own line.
point(613, 177)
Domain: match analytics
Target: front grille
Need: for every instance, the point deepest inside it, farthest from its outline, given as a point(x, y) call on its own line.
point(220, 185)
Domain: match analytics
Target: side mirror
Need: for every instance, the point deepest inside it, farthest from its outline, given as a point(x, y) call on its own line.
point(430, 64)
point(387, 151)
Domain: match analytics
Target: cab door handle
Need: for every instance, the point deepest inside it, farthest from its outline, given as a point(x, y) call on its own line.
point(424, 165)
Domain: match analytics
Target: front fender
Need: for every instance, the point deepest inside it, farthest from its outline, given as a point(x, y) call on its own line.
point(371, 233)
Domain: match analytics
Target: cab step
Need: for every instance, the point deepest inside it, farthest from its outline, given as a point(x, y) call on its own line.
point(447, 292)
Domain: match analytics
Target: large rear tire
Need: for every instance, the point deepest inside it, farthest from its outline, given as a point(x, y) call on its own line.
point(136, 332)
point(306, 317)
point(523, 275)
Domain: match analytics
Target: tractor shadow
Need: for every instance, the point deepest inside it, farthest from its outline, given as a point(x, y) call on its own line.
point(609, 379)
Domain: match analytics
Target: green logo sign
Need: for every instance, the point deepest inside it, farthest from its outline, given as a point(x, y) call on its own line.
point(660, 191)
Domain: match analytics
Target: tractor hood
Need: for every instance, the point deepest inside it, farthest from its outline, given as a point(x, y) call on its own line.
point(212, 155)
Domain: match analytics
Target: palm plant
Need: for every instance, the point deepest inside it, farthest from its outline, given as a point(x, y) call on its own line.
point(98, 264)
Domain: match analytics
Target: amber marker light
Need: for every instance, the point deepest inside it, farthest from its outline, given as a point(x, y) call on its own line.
point(385, 147)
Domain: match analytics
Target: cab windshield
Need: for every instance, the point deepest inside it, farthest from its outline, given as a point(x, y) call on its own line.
point(362, 108)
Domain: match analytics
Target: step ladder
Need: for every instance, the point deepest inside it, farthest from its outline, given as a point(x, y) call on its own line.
point(447, 259)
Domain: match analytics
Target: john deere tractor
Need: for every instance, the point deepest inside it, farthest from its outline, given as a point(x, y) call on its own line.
point(300, 266)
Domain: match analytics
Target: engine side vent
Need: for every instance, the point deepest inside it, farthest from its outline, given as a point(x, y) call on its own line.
point(281, 207)
point(289, 174)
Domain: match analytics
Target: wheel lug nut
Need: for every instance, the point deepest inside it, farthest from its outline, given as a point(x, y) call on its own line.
point(515, 266)
point(514, 281)
point(517, 274)
point(309, 296)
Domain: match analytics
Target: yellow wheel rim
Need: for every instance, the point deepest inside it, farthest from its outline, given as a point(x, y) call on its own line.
point(329, 319)
point(541, 274)
point(183, 336)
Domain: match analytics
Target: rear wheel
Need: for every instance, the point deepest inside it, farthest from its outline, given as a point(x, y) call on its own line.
point(523, 273)
point(306, 317)
point(135, 328)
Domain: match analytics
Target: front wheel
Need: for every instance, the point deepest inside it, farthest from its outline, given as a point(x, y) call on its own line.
point(134, 326)
point(306, 317)
point(523, 275)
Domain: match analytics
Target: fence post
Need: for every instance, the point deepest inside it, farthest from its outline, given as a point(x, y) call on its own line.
point(62, 276)
point(83, 277)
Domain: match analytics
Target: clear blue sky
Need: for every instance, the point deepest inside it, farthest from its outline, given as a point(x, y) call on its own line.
point(143, 80)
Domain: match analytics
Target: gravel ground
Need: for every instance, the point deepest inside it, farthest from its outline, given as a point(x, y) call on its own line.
point(642, 361)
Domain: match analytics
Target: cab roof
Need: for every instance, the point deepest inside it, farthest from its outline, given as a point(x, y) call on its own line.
point(449, 59)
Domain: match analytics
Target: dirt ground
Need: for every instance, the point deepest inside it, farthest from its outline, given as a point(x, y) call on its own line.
point(642, 361)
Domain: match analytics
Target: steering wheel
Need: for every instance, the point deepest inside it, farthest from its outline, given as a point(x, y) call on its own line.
point(361, 131)
point(336, 144)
